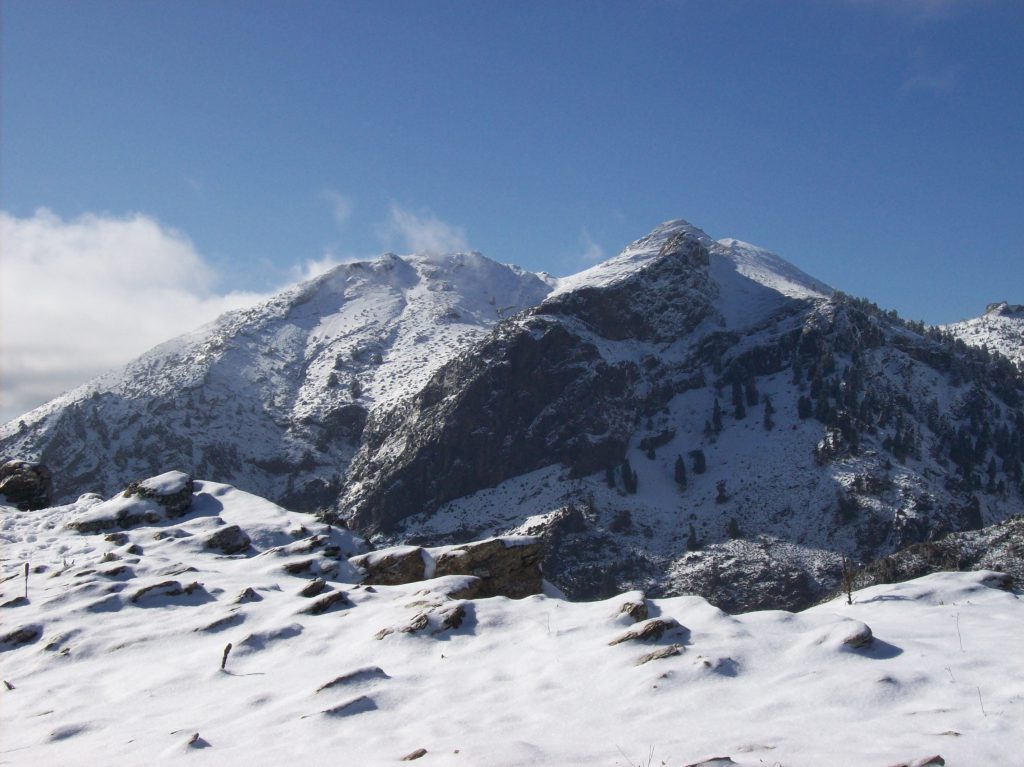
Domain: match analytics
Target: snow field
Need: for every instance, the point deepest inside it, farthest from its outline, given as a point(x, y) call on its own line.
point(533, 681)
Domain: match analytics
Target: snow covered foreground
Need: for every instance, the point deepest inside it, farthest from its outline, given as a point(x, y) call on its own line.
point(100, 668)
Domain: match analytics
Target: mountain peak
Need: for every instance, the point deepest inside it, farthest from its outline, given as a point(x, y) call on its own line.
point(1004, 309)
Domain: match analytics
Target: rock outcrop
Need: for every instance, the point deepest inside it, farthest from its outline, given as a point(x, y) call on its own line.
point(172, 490)
point(27, 485)
point(509, 566)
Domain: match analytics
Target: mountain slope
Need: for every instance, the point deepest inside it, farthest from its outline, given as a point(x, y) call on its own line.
point(1000, 329)
point(274, 398)
point(689, 416)
point(806, 423)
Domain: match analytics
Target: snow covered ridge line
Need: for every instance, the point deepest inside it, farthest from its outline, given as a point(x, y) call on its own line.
point(690, 417)
point(163, 647)
point(1000, 329)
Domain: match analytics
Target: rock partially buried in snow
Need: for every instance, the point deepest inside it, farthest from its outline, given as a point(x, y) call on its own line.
point(172, 490)
point(419, 752)
point(394, 566)
point(27, 485)
point(927, 761)
point(509, 566)
point(648, 631)
point(230, 540)
point(20, 636)
point(664, 652)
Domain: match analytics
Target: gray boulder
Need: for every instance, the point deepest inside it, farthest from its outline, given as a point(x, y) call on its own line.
point(230, 540)
point(27, 485)
point(172, 490)
point(508, 566)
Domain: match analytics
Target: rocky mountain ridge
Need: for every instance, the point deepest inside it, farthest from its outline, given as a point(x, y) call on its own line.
point(1000, 329)
point(688, 412)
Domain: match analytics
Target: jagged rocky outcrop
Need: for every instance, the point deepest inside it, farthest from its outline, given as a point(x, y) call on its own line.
point(505, 566)
point(998, 547)
point(26, 484)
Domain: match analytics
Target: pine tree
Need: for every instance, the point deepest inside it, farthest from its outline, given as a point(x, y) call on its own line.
point(804, 408)
point(700, 463)
point(680, 472)
point(769, 409)
point(692, 542)
point(629, 477)
point(741, 411)
point(751, 393)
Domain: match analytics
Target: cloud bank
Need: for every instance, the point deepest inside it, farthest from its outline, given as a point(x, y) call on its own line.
point(82, 296)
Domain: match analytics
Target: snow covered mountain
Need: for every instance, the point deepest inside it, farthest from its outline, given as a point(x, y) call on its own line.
point(1000, 329)
point(274, 398)
point(230, 631)
point(690, 416)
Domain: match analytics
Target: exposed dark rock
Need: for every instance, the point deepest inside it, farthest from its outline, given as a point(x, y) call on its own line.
point(297, 568)
point(392, 567)
point(231, 540)
point(355, 677)
point(166, 589)
point(20, 636)
point(172, 490)
point(453, 617)
point(532, 395)
point(358, 705)
point(325, 603)
point(412, 756)
point(999, 547)
point(637, 610)
point(27, 485)
point(508, 567)
point(663, 652)
point(118, 539)
point(248, 595)
point(228, 621)
point(927, 761)
point(648, 631)
point(314, 588)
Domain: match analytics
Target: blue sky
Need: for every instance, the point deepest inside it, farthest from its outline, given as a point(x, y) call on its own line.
point(877, 144)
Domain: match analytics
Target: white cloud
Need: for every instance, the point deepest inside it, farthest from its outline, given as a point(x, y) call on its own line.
point(422, 232)
point(341, 206)
point(79, 297)
point(314, 267)
point(592, 252)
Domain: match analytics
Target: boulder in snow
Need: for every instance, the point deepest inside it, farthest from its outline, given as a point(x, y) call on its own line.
point(27, 485)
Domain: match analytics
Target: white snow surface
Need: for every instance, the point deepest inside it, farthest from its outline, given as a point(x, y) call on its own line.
point(119, 677)
point(168, 483)
point(1000, 329)
point(772, 271)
